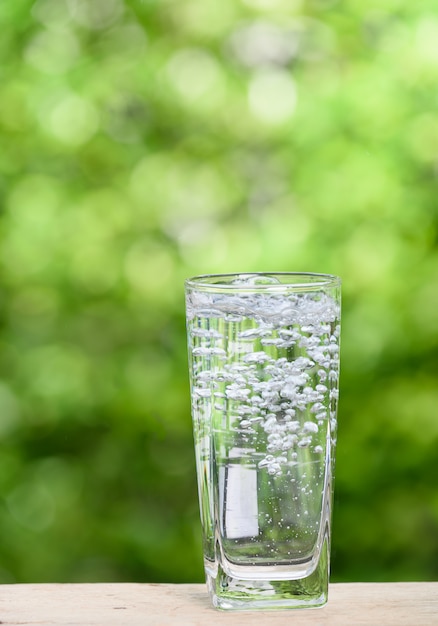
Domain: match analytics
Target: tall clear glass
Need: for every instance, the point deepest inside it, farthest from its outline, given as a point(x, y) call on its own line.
point(264, 370)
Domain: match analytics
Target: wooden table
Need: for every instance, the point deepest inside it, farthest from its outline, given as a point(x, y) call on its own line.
point(132, 604)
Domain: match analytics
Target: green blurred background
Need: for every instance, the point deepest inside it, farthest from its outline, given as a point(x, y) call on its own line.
point(146, 141)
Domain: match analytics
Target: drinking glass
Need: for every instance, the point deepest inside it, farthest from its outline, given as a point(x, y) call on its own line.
point(264, 369)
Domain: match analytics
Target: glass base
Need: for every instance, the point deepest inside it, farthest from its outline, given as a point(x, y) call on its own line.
point(229, 593)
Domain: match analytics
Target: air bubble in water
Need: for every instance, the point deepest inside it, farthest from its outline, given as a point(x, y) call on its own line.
point(310, 427)
point(305, 442)
point(255, 279)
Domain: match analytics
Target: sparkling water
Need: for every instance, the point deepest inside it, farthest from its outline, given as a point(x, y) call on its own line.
point(264, 385)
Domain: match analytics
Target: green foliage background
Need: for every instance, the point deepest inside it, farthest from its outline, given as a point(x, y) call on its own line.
point(145, 141)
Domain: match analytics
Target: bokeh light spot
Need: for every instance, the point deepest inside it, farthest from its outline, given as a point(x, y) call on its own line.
point(149, 269)
point(73, 120)
point(52, 52)
point(263, 43)
point(32, 506)
point(426, 39)
point(194, 74)
point(272, 96)
point(95, 14)
point(51, 13)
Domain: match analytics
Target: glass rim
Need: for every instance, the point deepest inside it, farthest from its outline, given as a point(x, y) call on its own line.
point(303, 280)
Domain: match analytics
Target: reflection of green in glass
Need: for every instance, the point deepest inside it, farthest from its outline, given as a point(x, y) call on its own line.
point(264, 361)
point(309, 591)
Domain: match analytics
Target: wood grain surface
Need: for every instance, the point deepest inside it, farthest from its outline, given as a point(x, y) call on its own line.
point(129, 604)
